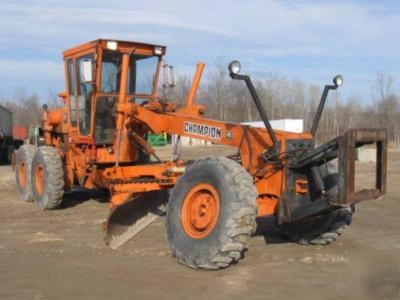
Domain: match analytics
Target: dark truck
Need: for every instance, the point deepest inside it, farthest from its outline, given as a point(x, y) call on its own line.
point(11, 137)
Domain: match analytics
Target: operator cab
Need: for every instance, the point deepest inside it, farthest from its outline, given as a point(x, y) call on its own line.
point(94, 74)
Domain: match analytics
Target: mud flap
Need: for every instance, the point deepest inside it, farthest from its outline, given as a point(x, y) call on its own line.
point(128, 219)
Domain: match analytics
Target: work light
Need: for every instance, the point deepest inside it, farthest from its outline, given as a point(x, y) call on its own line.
point(234, 67)
point(338, 80)
point(157, 50)
point(112, 45)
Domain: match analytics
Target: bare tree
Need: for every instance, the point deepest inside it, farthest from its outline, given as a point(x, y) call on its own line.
point(229, 100)
point(387, 105)
point(26, 108)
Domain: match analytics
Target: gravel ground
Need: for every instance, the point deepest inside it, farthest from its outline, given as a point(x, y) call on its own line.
point(61, 254)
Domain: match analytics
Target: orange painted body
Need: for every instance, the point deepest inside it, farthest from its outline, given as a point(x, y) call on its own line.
point(117, 166)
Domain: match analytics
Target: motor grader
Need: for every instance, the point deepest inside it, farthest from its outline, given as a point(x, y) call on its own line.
point(97, 139)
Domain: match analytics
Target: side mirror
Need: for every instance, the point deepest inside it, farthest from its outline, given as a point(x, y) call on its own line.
point(168, 76)
point(87, 70)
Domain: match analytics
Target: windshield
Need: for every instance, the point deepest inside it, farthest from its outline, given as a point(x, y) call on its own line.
point(111, 72)
point(141, 74)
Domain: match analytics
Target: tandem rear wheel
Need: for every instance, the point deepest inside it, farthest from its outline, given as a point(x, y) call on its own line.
point(23, 164)
point(47, 178)
point(211, 214)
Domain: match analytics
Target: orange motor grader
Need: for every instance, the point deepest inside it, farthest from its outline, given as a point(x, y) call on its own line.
point(98, 140)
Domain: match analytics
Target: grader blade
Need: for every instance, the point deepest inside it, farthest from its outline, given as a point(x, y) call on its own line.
point(127, 220)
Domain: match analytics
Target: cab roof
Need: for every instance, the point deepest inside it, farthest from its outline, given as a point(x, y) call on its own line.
point(123, 46)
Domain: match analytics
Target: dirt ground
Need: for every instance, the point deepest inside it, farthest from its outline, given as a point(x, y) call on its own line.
point(61, 254)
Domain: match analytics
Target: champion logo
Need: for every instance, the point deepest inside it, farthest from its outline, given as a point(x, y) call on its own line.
point(203, 130)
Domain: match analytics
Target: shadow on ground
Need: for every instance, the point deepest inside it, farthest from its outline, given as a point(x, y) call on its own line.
point(78, 195)
point(272, 234)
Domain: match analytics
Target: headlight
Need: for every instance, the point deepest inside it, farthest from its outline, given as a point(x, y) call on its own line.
point(234, 67)
point(112, 45)
point(157, 50)
point(338, 80)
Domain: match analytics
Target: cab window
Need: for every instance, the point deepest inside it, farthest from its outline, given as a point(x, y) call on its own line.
point(85, 90)
point(71, 90)
point(105, 120)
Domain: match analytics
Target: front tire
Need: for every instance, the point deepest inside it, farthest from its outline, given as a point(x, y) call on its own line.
point(320, 230)
point(47, 177)
point(211, 214)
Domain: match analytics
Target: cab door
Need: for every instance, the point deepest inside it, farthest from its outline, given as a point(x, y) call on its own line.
point(80, 96)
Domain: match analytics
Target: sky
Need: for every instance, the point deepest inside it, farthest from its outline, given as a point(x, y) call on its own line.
point(308, 40)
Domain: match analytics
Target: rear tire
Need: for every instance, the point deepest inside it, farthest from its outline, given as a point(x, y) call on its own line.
point(10, 151)
point(211, 214)
point(47, 177)
point(23, 164)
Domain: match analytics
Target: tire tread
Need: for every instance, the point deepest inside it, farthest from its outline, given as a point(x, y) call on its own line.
point(242, 223)
point(55, 179)
point(27, 153)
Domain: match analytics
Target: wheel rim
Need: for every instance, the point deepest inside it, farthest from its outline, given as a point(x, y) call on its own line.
point(200, 211)
point(22, 174)
point(39, 179)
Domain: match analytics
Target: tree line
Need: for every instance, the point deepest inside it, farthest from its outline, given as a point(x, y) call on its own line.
point(27, 107)
point(229, 100)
